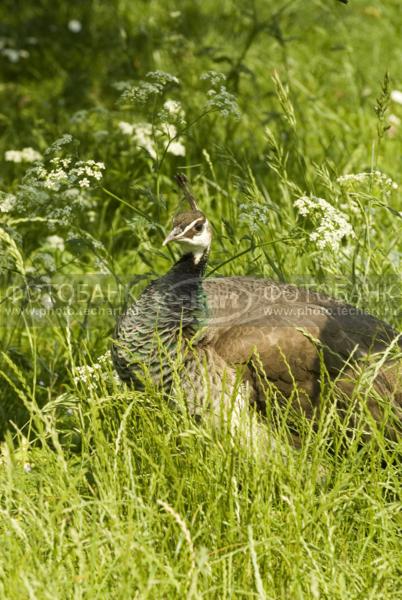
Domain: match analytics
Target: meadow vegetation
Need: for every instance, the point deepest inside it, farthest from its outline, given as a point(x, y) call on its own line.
point(286, 116)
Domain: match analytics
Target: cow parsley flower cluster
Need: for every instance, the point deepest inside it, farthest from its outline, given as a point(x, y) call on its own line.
point(173, 108)
point(172, 112)
point(126, 128)
point(28, 155)
point(330, 225)
point(56, 188)
point(14, 55)
point(154, 85)
point(7, 202)
point(142, 135)
point(386, 183)
point(224, 102)
point(254, 215)
point(90, 376)
point(219, 98)
point(65, 172)
point(146, 137)
point(175, 144)
point(215, 78)
point(55, 242)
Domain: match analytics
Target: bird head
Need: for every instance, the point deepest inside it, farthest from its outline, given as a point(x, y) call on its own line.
point(191, 228)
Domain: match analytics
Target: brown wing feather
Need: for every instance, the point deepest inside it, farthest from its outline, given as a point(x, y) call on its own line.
point(286, 327)
point(258, 303)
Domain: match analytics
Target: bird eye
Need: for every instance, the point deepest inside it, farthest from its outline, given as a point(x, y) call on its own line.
point(199, 226)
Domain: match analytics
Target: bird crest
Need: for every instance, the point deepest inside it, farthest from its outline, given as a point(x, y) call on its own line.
point(184, 185)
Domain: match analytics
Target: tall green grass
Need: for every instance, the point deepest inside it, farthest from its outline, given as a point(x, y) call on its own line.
point(109, 492)
point(137, 500)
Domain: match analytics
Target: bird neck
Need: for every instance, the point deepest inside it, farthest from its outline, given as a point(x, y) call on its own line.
point(182, 290)
point(190, 264)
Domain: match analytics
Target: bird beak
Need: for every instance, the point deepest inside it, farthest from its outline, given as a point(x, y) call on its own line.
point(170, 237)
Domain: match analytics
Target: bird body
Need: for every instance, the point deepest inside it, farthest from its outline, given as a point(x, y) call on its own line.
point(272, 336)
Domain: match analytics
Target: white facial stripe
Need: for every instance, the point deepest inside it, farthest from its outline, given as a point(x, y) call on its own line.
point(183, 233)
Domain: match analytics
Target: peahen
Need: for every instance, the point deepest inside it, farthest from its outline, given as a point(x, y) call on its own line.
point(235, 341)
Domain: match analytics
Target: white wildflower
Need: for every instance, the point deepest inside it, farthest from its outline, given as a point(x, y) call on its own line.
point(65, 172)
point(7, 202)
point(177, 148)
point(13, 54)
point(141, 93)
point(54, 179)
point(25, 155)
point(91, 375)
point(302, 205)
point(13, 156)
point(126, 128)
point(254, 215)
point(162, 77)
point(27, 467)
point(91, 169)
point(88, 170)
point(169, 130)
point(56, 242)
point(396, 96)
point(105, 359)
point(30, 155)
point(176, 145)
point(144, 138)
point(173, 107)
point(219, 98)
point(331, 226)
point(144, 91)
point(359, 177)
point(74, 26)
point(381, 179)
point(351, 206)
point(214, 77)
point(66, 162)
point(224, 102)
point(86, 374)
